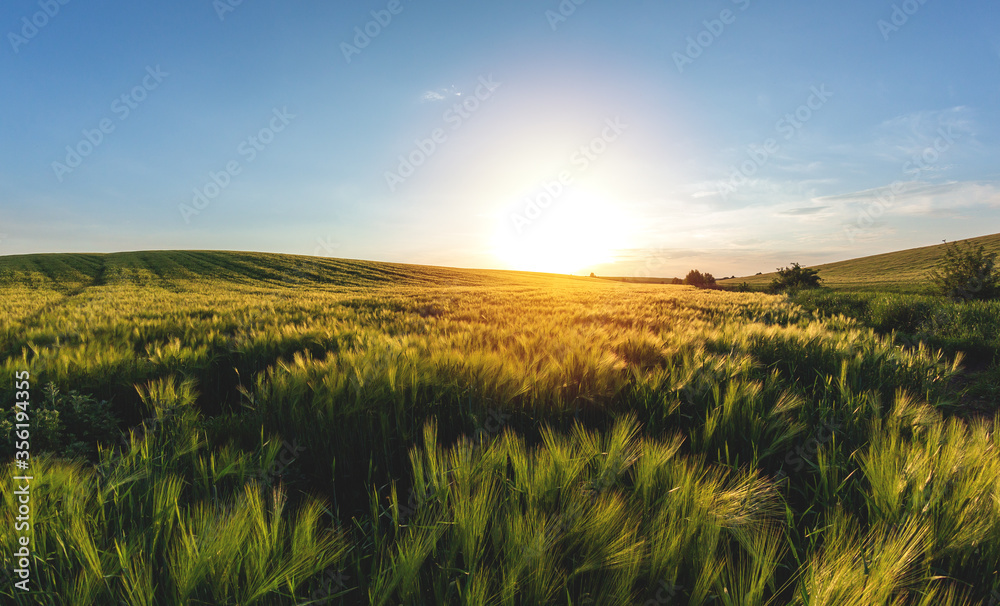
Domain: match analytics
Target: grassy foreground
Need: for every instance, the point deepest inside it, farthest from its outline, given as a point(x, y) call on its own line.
point(304, 431)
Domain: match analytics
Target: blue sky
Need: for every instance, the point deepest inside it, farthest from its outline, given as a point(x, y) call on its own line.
point(628, 138)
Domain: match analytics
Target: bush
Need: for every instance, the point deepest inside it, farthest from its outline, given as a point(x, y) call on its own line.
point(967, 273)
point(69, 425)
point(795, 277)
point(701, 280)
point(907, 314)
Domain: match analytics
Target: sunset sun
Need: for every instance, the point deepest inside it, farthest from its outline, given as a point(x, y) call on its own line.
point(574, 233)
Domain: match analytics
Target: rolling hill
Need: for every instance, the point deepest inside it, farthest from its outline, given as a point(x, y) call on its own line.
point(177, 270)
point(901, 271)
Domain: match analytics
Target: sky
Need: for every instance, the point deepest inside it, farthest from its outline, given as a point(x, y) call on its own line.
point(628, 138)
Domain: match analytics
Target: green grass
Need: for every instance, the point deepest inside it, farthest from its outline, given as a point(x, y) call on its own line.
point(266, 429)
point(900, 272)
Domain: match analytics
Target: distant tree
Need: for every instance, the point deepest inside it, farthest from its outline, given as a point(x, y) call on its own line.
point(593, 275)
point(701, 280)
point(967, 273)
point(676, 281)
point(794, 278)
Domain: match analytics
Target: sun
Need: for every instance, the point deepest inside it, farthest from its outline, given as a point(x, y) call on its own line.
point(573, 233)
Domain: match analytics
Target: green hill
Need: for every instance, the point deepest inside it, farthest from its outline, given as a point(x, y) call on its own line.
point(177, 270)
point(901, 271)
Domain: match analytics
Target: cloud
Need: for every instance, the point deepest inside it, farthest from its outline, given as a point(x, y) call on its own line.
point(801, 167)
point(440, 94)
point(911, 134)
point(925, 142)
point(705, 194)
point(873, 216)
point(920, 198)
point(810, 210)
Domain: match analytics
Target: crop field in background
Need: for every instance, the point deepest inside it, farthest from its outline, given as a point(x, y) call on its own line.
point(253, 429)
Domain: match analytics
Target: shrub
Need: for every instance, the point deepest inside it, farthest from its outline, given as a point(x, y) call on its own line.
point(967, 273)
point(70, 425)
point(794, 278)
point(701, 280)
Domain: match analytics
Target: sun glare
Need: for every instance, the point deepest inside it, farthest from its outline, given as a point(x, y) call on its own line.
point(573, 234)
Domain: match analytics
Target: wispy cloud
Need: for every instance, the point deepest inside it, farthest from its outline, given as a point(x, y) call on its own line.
point(922, 198)
point(811, 210)
point(440, 94)
point(936, 141)
point(801, 167)
point(909, 134)
point(705, 193)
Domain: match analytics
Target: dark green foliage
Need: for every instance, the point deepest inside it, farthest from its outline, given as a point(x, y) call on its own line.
point(795, 277)
point(701, 280)
point(967, 273)
point(972, 327)
point(69, 425)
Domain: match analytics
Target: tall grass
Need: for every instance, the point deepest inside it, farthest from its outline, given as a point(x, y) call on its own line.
point(462, 438)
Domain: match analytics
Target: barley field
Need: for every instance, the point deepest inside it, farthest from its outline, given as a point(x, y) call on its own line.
point(253, 429)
